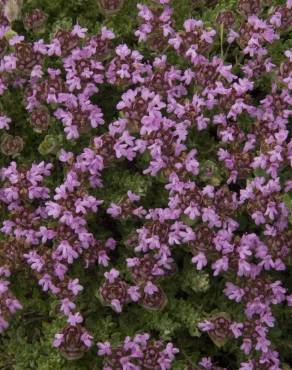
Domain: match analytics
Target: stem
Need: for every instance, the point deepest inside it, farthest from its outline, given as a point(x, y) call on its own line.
point(221, 39)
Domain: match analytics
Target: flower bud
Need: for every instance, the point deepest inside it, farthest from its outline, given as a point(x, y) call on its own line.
point(110, 7)
point(72, 347)
point(11, 145)
point(40, 119)
point(226, 18)
point(35, 20)
point(249, 7)
point(155, 301)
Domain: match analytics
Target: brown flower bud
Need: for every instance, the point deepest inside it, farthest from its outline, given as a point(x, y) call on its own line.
point(249, 7)
point(72, 347)
point(152, 356)
point(11, 253)
point(156, 41)
point(35, 20)
point(105, 148)
point(110, 7)
point(40, 118)
point(67, 41)
point(11, 145)
point(26, 57)
point(113, 361)
point(81, 120)
point(117, 290)
point(226, 18)
point(103, 48)
point(286, 16)
point(142, 272)
point(221, 332)
point(155, 301)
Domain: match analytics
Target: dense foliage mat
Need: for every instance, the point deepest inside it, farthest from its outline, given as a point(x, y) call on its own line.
point(145, 184)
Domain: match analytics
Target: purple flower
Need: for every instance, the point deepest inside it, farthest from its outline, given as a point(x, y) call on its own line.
point(59, 338)
point(114, 210)
point(74, 319)
point(67, 306)
point(3, 286)
point(79, 31)
point(233, 292)
point(236, 329)
point(87, 339)
point(64, 251)
point(134, 293)
point(4, 122)
point(200, 260)
point(150, 288)
point(74, 286)
point(116, 305)
point(206, 325)
point(104, 348)
point(111, 275)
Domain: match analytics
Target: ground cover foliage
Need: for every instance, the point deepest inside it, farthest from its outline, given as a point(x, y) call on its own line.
point(146, 184)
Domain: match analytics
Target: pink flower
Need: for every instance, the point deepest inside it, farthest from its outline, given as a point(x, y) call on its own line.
point(123, 51)
point(111, 275)
point(200, 260)
point(86, 338)
point(4, 122)
point(67, 306)
point(3, 286)
point(133, 197)
point(104, 348)
point(74, 286)
point(79, 31)
point(65, 252)
point(16, 39)
point(150, 288)
point(220, 265)
point(233, 292)
point(107, 34)
point(46, 282)
point(53, 209)
point(65, 156)
point(116, 305)
point(246, 346)
point(59, 339)
point(236, 329)
point(206, 325)
point(134, 293)
point(114, 210)
point(75, 318)
point(232, 36)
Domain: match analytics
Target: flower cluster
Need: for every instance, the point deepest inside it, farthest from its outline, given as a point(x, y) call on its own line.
point(140, 352)
point(222, 206)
